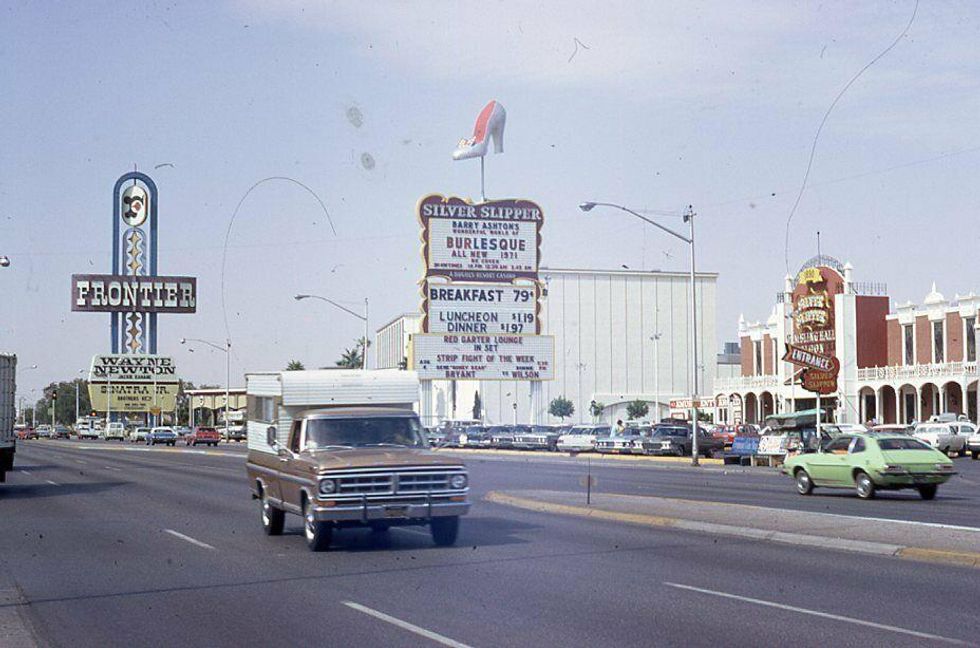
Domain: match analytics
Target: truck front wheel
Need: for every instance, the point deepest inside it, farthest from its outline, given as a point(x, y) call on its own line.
point(445, 530)
point(318, 534)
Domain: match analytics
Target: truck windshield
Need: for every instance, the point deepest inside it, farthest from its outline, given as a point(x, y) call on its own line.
point(364, 432)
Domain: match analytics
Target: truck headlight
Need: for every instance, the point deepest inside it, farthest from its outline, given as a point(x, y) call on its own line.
point(328, 486)
point(457, 482)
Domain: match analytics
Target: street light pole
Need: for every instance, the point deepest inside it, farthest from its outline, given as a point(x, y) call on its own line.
point(227, 350)
point(363, 317)
point(656, 372)
point(688, 218)
point(80, 371)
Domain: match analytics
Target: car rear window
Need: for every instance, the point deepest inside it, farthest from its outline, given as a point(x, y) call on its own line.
point(902, 444)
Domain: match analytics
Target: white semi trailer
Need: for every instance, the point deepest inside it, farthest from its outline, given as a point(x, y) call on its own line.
point(8, 412)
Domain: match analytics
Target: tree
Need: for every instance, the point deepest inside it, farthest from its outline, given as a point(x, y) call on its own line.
point(354, 358)
point(295, 365)
point(62, 396)
point(595, 408)
point(477, 407)
point(561, 407)
point(637, 409)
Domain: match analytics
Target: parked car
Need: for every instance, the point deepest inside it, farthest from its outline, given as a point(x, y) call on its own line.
point(582, 438)
point(476, 436)
point(114, 430)
point(502, 436)
point(537, 437)
point(944, 437)
point(676, 440)
point(44, 431)
point(872, 462)
point(966, 430)
point(139, 435)
point(60, 432)
point(203, 435)
point(630, 442)
point(162, 434)
point(436, 437)
point(25, 432)
point(973, 445)
point(182, 431)
point(727, 433)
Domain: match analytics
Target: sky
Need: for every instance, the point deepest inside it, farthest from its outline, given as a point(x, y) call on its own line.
point(651, 105)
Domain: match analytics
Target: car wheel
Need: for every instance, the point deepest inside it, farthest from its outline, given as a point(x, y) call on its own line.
point(272, 517)
point(804, 485)
point(707, 453)
point(962, 452)
point(975, 454)
point(445, 530)
point(865, 487)
point(318, 534)
point(928, 491)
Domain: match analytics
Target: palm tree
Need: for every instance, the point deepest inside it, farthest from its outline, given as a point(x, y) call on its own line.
point(295, 365)
point(350, 359)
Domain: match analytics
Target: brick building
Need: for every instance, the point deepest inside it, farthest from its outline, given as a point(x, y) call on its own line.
point(895, 366)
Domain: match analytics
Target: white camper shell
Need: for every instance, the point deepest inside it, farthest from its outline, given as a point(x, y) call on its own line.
point(275, 397)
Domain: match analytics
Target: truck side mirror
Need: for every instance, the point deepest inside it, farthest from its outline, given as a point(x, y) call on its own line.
point(271, 436)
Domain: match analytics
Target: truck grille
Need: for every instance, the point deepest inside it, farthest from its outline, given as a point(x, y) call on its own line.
point(401, 482)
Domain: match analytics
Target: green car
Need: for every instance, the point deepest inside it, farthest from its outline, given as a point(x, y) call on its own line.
point(871, 462)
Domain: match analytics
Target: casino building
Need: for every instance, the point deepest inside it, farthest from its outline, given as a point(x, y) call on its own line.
point(620, 336)
point(896, 365)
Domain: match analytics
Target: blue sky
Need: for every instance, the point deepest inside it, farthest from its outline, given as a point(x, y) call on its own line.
point(714, 104)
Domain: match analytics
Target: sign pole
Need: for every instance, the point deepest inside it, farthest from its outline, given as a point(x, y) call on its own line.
point(694, 348)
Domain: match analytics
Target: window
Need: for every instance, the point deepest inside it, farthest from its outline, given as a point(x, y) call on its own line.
point(262, 409)
point(858, 445)
point(838, 445)
point(908, 338)
point(757, 347)
point(938, 342)
point(971, 338)
point(294, 436)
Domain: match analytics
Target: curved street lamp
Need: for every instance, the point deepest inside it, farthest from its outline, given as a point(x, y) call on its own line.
point(227, 350)
point(363, 317)
point(688, 218)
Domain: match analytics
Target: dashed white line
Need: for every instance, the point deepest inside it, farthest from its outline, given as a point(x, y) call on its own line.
point(405, 625)
point(24, 472)
point(822, 615)
point(187, 538)
point(53, 483)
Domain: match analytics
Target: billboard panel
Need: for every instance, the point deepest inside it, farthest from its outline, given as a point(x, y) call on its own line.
point(497, 240)
point(480, 308)
point(93, 293)
point(438, 356)
point(132, 382)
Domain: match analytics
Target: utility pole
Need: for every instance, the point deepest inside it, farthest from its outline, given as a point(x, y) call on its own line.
point(689, 218)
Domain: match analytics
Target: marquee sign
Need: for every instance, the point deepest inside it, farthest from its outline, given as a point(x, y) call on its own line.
point(128, 367)
point(499, 240)
point(483, 357)
point(133, 294)
point(480, 308)
point(133, 382)
point(813, 344)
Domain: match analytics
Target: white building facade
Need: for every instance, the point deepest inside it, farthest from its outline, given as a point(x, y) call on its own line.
point(620, 336)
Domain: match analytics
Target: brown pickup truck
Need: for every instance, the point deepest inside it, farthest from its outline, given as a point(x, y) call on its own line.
point(357, 466)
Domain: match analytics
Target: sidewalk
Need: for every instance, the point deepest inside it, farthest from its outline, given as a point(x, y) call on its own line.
point(904, 539)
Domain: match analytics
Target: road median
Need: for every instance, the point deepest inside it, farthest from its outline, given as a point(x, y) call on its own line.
point(580, 456)
point(909, 540)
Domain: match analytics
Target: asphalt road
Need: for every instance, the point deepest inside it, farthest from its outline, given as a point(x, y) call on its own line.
point(123, 546)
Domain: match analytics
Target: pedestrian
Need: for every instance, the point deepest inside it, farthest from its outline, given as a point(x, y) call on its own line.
point(620, 428)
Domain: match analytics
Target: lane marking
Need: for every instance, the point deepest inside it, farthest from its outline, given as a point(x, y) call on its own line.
point(405, 625)
point(24, 472)
point(52, 482)
point(822, 615)
point(187, 538)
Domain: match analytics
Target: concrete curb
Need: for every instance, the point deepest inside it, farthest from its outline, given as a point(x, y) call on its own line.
point(920, 554)
point(596, 456)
